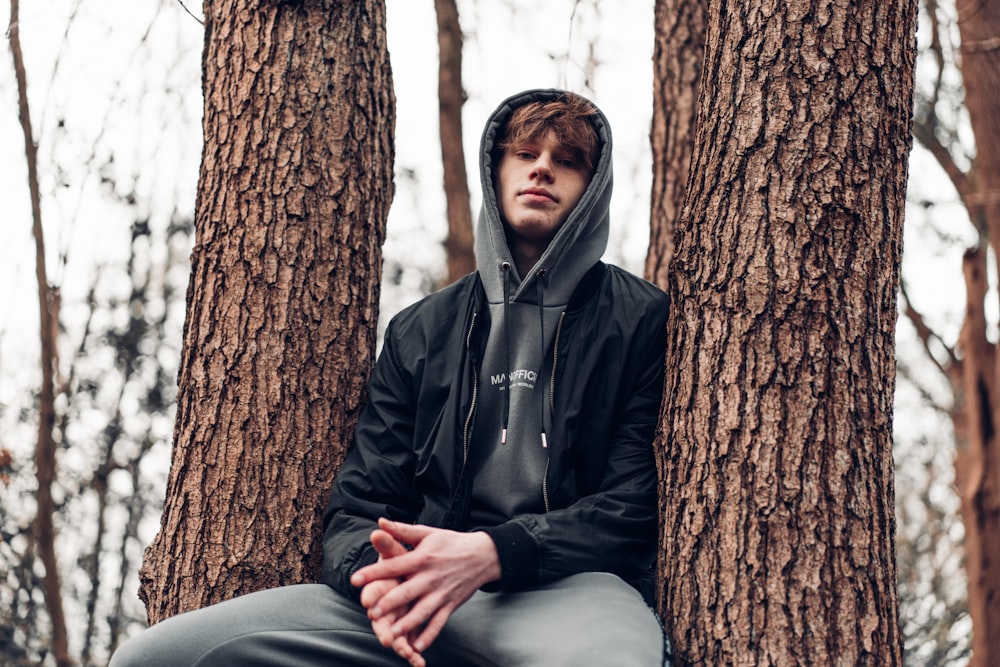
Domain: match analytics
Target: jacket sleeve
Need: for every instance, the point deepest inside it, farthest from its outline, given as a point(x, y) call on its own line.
point(613, 529)
point(375, 479)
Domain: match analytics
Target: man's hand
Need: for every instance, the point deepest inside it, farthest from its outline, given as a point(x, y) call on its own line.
point(418, 590)
point(388, 547)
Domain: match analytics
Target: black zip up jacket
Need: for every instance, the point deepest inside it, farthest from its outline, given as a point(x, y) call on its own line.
point(408, 460)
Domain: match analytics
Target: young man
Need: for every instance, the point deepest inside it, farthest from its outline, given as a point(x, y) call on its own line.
point(498, 506)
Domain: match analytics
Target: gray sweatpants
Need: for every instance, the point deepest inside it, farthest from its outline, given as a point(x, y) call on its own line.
point(586, 619)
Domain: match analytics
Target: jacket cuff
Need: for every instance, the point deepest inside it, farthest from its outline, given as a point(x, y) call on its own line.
point(340, 580)
point(518, 555)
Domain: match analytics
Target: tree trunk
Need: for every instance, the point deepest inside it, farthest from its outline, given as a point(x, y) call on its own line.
point(775, 447)
point(677, 59)
point(975, 436)
point(295, 185)
point(451, 97)
point(977, 464)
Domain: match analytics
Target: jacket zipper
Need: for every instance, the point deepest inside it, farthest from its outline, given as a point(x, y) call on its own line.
point(475, 392)
point(545, 484)
point(552, 406)
point(555, 362)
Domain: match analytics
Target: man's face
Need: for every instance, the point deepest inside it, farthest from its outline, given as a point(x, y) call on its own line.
point(538, 185)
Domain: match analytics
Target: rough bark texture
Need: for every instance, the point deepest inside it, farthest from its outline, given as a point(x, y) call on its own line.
point(295, 185)
point(451, 96)
point(677, 60)
point(775, 449)
point(977, 464)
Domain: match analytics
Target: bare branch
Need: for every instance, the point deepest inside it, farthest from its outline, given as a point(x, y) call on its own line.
point(903, 370)
point(924, 131)
point(184, 7)
point(927, 335)
point(938, 51)
point(91, 160)
point(981, 46)
point(59, 55)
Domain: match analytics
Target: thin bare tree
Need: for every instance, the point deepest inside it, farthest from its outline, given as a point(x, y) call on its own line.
point(451, 97)
point(679, 49)
point(48, 311)
point(970, 365)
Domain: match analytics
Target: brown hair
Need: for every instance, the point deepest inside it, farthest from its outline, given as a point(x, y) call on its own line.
point(567, 116)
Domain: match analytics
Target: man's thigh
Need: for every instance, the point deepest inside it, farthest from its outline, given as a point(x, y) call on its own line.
point(292, 626)
point(587, 619)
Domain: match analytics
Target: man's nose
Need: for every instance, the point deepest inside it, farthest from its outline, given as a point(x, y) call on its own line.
point(542, 168)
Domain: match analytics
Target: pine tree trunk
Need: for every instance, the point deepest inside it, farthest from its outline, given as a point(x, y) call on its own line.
point(775, 448)
point(977, 462)
point(295, 186)
point(677, 59)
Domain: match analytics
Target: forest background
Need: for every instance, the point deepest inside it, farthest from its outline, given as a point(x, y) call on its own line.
point(114, 95)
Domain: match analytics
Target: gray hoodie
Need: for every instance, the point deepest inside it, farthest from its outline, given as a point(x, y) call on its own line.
point(509, 454)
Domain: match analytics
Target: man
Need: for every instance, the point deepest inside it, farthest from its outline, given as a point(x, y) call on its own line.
point(498, 505)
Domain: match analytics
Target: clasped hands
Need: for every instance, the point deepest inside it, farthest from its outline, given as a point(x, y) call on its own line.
point(411, 593)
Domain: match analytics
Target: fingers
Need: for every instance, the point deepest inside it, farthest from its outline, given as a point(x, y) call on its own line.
point(410, 594)
point(415, 599)
point(423, 622)
point(389, 547)
point(406, 532)
point(401, 644)
point(386, 545)
point(373, 592)
point(431, 631)
point(396, 567)
point(406, 651)
point(377, 581)
point(383, 630)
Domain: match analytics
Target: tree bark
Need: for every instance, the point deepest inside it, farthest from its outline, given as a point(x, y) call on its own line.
point(775, 446)
point(451, 97)
point(977, 463)
point(279, 340)
point(677, 60)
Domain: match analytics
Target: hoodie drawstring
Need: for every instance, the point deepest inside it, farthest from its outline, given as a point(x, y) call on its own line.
point(539, 291)
point(505, 268)
point(541, 323)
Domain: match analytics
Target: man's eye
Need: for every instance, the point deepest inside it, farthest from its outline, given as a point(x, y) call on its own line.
point(525, 155)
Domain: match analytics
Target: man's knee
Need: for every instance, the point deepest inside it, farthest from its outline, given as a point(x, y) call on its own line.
point(140, 651)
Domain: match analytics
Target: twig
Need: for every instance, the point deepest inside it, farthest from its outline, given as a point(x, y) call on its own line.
point(181, 3)
point(926, 334)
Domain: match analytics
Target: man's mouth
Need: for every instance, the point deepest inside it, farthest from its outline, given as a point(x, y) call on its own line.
point(539, 192)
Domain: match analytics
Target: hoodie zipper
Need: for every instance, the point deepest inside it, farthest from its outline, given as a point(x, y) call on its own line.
point(552, 407)
point(475, 392)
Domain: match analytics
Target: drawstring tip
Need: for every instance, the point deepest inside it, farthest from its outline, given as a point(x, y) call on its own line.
point(545, 442)
point(503, 436)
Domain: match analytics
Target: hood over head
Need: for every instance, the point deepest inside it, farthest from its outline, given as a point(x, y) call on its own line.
point(579, 243)
point(508, 453)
